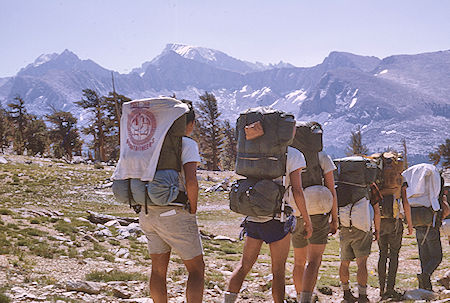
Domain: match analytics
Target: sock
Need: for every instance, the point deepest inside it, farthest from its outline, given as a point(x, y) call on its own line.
point(229, 297)
point(305, 297)
point(362, 290)
point(346, 286)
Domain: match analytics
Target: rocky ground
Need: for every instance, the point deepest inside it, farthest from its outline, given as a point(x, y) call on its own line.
point(57, 245)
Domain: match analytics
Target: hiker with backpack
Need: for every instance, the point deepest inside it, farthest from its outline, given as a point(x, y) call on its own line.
point(320, 196)
point(392, 214)
point(358, 202)
point(422, 188)
point(157, 176)
point(271, 166)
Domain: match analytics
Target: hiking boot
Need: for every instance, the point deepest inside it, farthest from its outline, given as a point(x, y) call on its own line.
point(349, 297)
point(392, 293)
point(363, 299)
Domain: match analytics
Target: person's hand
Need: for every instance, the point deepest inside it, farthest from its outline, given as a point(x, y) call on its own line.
point(410, 230)
point(376, 235)
point(333, 227)
point(308, 229)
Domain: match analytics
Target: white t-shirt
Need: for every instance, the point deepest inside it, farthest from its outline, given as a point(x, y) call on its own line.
point(295, 160)
point(189, 153)
point(326, 163)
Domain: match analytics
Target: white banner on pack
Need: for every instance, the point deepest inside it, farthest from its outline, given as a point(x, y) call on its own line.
point(424, 185)
point(143, 127)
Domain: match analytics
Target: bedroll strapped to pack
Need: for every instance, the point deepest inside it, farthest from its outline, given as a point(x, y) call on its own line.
point(264, 135)
point(353, 177)
point(151, 141)
point(308, 140)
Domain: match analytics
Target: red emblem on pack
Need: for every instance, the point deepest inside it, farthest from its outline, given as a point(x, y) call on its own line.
point(141, 127)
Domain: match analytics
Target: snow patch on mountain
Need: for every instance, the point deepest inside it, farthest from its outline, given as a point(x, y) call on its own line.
point(44, 58)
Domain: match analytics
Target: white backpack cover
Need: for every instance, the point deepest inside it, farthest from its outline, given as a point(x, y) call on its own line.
point(143, 127)
point(445, 227)
point(319, 199)
point(361, 216)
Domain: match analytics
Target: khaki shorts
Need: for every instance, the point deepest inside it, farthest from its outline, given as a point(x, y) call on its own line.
point(171, 228)
point(355, 243)
point(321, 228)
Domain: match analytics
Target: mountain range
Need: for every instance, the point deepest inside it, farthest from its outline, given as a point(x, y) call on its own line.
point(400, 96)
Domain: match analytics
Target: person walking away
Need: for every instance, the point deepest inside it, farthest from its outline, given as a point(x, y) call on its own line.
point(391, 228)
point(257, 150)
point(320, 201)
point(356, 193)
point(167, 202)
point(422, 188)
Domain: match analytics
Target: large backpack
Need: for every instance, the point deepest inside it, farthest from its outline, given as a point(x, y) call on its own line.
point(353, 176)
point(163, 189)
point(308, 140)
point(264, 135)
point(390, 182)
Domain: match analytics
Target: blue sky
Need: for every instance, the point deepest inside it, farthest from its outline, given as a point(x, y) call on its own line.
point(121, 35)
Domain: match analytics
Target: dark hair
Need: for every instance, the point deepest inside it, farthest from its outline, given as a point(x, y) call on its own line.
point(190, 115)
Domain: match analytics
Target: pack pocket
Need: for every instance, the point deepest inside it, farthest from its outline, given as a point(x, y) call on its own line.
point(164, 188)
point(252, 197)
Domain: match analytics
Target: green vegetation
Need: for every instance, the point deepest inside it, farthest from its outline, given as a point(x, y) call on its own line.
point(115, 275)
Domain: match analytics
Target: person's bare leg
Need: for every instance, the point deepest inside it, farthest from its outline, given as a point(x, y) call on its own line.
point(344, 274)
point(279, 252)
point(300, 255)
point(196, 279)
point(315, 252)
point(158, 287)
point(249, 256)
point(361, 274)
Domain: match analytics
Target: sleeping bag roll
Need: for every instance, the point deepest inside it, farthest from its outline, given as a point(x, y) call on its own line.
point(319, 199)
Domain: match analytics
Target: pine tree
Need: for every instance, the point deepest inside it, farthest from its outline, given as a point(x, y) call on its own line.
point(209, 127)
point(405, 154)
point(230, 146)
point(442, 153)
point(113, 105)
point(5, 129)
point(64, 134)
point(18, 115)
point(356, 147)
point(96, 105)
point(36, 136)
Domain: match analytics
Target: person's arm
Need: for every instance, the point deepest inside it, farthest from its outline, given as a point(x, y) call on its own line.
point(377, 220)
point(297, 191)
point(329, 183)
point(445, 207)
point(407, 209)
point(190, 174)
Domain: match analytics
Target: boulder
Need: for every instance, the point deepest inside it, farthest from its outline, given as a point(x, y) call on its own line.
point(445, 280)
point(89, 287)
point(419, 294)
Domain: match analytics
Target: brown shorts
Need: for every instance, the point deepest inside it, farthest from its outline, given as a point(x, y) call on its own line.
point(354, 243)
point(171, 227)
point(321, 228)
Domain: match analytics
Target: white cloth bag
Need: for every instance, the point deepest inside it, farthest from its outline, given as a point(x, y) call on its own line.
point(143, 127)
point(361, 216)
point(424, 185)
point(319, 199)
